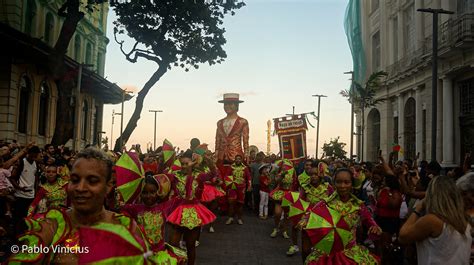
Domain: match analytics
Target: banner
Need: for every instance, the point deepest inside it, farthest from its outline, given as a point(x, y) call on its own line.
point(291, 133)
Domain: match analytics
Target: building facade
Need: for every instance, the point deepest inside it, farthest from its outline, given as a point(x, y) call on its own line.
point(28, 95)
point(398, 40)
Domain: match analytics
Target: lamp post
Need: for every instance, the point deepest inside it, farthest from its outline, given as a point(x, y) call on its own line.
point(154, 134)
point(319, 118)
point(112, 129)
point(351, 91)
point(434, 76)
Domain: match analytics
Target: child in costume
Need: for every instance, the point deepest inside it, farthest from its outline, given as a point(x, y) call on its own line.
point(264, 191)
point(53, 193)
point(189, 215)
point(237, 182)
point(286, 182)
point(212, 190)
point(151, 215)
point(331, 226)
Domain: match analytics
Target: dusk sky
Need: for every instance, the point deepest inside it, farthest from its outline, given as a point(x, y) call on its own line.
point(279, 53)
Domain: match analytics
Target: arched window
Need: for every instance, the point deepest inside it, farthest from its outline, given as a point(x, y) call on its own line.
point(100, 70)
point(77, 48)
point(410, 129)
point(88, 53)
point(30, 16)
point(85, 120)
point(43, 109)
point(49, 29)
point(373, 134)
point(25, 91)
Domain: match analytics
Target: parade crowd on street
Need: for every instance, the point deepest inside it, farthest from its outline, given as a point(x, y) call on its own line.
point(331, 211)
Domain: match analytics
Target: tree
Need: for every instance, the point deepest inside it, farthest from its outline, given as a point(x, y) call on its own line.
point(365, 97)
point(72, 14)
point(335, 148)
point(170, 33)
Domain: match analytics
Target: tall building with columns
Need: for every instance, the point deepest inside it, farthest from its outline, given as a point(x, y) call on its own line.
point(392, 36)
point(29, 30)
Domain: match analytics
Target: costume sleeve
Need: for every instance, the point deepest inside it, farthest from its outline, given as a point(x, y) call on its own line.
point(366, 217)
point(248, 177)
point(218, 141)
point(203, 177)
point(245, 137)
point(39, 196)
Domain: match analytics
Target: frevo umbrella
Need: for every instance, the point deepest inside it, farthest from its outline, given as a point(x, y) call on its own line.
point(107, 243)
point(169, 153)
point(328, 230)
point(230, 182)
point(296, 205)
point(130, 174)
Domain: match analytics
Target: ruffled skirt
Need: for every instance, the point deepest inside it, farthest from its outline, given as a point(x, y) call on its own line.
point(351, 256)
point(211, 193)
point(191, 215)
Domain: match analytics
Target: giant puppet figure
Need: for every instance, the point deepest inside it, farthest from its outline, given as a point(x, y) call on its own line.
point(232, 132)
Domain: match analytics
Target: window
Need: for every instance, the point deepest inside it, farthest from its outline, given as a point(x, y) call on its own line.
point(77, 48)
point(410, 128)
point(376, 51)
point(374, 4)
point(49, 29)
point(409, 29)
point(395, 39)
point(88, 53)
point(99, 68)
point(467, 97)
point(465, 6)
point(30, 16)
point(423, 134)
point(395, 134)
point(43, 109)
point(85, 115)
point(25, 91)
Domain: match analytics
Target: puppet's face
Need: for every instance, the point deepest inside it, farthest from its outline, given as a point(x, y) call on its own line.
point(231, 108)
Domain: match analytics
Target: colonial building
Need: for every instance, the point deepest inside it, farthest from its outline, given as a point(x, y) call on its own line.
point(28, 95)
point(392, 36)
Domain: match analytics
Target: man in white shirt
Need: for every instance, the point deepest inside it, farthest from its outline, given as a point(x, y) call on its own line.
point(26, 184)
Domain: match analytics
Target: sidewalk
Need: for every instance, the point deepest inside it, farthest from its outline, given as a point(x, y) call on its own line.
point(247, 244)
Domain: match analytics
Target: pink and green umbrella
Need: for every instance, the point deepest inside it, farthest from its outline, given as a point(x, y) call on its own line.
point(111, 244)
point(296, 205)
point(328, 230)
point(129, 172)
point(169, 153)
point(285, 165)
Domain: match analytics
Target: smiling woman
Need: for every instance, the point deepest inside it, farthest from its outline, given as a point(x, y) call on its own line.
point(89, 184)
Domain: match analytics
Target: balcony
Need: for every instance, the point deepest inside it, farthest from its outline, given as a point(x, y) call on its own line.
point(456, 34)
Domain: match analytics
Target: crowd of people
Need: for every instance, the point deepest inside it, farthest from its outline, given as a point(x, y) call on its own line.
point(331, 211)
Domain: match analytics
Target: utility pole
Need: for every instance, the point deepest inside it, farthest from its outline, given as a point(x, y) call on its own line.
point(319, 118)
point(351, 97)
point(124, 92)
point(434, 76)
point(154, 134)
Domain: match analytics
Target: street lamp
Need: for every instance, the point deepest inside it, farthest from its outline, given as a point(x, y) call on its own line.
point(434, 76)
point(112, 129)
point(319, 116)
point(154, 134)
point(351, 91)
